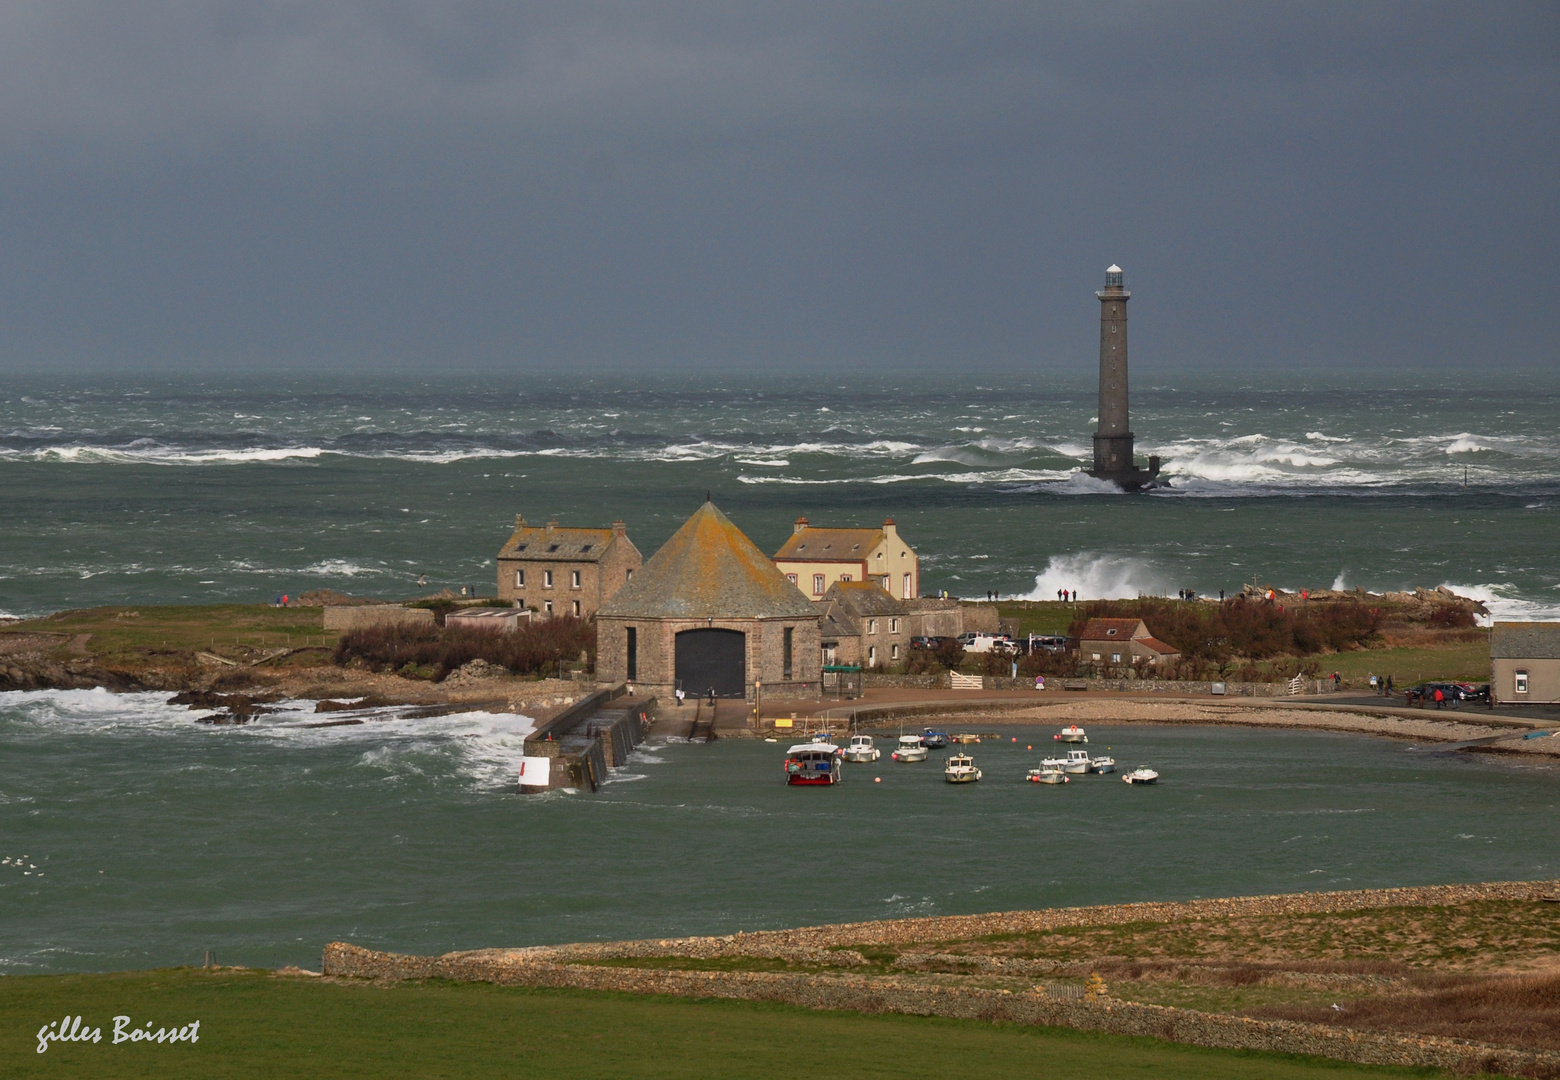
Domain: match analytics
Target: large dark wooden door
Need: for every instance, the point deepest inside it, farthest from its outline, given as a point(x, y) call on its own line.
point(712, 658)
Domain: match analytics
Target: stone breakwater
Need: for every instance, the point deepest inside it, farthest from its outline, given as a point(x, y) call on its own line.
point(580, 966)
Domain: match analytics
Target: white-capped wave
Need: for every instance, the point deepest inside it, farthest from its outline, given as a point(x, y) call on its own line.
point(341, 568)
point(1504, 606)
point(161, 455)
point(484, 747)
point(1097, 577)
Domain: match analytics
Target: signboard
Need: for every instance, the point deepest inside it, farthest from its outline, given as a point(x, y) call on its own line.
point(535, 771)
point(784, 722)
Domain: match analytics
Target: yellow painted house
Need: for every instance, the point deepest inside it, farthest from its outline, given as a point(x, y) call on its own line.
point(815, 559)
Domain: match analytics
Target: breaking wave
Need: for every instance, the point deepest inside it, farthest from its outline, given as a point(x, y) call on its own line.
point(1097, 577)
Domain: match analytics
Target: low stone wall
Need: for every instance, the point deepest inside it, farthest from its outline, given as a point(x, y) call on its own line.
point(1054, 682)
point(370, 615)
point(869, 994)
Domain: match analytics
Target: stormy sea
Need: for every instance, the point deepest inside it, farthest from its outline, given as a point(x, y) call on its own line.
point(184, 489)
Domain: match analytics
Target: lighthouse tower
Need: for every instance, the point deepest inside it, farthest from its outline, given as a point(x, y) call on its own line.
point(1113, 438)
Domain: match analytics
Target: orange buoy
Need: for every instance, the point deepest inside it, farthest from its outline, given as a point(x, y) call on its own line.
point(877, 779)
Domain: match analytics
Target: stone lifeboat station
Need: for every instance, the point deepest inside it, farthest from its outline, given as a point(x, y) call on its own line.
point(712, 613)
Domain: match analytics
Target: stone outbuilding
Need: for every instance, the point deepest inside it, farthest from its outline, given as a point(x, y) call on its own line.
point(1525, 663)
point(554, 570)
point(1123, 642)
point(860, 624)
point(709, 610)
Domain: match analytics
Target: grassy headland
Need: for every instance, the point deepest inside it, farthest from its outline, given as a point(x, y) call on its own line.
point(256, 1024)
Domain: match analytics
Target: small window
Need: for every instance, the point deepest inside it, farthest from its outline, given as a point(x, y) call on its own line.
point(872, 656)
point(817, 584)
point(893, 628)
point(1115, 658)
point(906, 590)
point(547, 579)
point(844, 577)
point(1522, 682)
point(893, 652)
point(1096, 656)
point(1111, 632)
point(586, 548)
point(880, 554)
point(576, 609)
point(547, 607)
point(630, 576)
point(521, 547)
point(519, 579)
point(791, 578)
point(871, 626)
point(574, 579)
point(552, 547)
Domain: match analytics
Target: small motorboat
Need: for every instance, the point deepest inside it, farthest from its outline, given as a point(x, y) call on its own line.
point(934, 740)
point(1071, 733)
point(1141, 776)
point(966, 737)
point(1076, 763)
point(1103, 765)
point(1047, 776)
point(861, 749)
point(812, 763)
point(910, 749)
point(960, 769)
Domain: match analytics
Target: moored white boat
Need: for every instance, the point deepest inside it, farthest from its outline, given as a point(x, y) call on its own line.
point(1047, 776)
point(966, 737)
point(1076, 763)
point(1103, 765)
point(1141, 776)
point(909, 749)
point(960, 769)
point(861, 749)
point(1071, 733)
point(812, 763)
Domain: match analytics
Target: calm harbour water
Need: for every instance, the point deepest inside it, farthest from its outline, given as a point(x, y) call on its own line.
point(158, 838)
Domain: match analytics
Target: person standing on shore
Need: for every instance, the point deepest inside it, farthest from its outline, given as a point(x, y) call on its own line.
point(1440, 698)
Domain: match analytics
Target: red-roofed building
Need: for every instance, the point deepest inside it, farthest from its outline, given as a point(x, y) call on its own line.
point(1123, 642)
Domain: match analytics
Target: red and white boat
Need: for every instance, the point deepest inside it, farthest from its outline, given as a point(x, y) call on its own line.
point(813, 763)
point(1072, 733)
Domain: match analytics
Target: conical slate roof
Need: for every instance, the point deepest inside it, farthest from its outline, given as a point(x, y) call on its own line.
point(708, 570)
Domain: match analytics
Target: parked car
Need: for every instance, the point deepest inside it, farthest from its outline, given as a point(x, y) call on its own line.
point(922, 642)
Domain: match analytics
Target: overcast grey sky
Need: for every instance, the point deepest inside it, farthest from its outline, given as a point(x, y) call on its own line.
point(645, 185)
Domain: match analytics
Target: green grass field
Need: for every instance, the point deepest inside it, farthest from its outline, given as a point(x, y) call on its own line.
point(121, 634)
point(1463, 661)
point(253, 1024)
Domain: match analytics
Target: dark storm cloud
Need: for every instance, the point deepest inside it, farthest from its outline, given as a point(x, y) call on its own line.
point(637, 185)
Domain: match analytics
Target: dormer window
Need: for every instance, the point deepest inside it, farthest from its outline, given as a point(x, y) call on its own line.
point(1111, 632)
point(552, 547)
point(521, 547)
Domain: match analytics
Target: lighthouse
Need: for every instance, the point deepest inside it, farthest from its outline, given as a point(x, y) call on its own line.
point(1113, 438)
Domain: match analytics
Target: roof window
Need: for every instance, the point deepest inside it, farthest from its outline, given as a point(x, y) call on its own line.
point(521, 547)
point(586, 548)
point(1111, 632)
point(554, 547)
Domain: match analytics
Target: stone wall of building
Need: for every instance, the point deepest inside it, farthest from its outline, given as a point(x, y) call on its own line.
point(656, 653)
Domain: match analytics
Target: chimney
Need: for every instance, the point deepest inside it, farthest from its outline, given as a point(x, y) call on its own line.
point(619, 528)
point(552, 524)
point(519, 521)
point(889, 528)
point(801, 523)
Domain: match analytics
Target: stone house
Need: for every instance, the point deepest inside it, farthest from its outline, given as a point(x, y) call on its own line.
point(709, 611)
point(1123, 642)
point(1525, 663)
point(815, 559)
point(565, 571)
point(860, 624)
